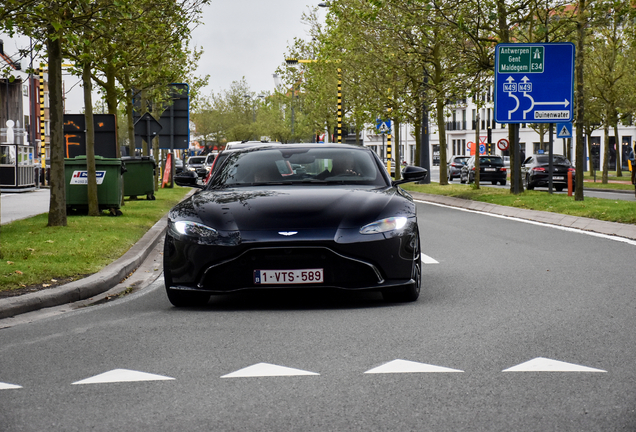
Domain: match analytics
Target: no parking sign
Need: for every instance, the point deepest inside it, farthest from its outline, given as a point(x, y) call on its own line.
point(503, 144)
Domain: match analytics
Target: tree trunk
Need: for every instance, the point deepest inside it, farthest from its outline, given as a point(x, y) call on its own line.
point(606, 154)
point(57, 203)
point(131, 125)
point(619, 149)
point(111, 100)
point(441, 127)
point(93, 203)
point(476, 146)
point(580, 97)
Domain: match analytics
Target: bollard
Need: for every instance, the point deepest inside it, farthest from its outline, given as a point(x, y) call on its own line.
point(570, 174)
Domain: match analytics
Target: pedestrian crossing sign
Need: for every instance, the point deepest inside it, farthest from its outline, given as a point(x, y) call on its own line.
point(564, 130)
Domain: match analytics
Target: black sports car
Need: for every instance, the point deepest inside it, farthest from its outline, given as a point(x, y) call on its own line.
point(295, 216)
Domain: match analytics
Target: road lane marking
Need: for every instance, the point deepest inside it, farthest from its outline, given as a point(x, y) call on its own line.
point(542, 364)
point(427, 259)
point(532, 222)
point(267, 369)
point(122, 375)
point(407, 366)
point(7, 386)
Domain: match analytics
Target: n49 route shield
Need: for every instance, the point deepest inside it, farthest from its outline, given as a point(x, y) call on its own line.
point(534, 82)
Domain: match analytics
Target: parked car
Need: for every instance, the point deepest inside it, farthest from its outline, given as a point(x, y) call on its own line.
point(178, 165)
point(194, 163)
point(207, 164)
point(222, 155)
point(341, 223)
point(455, 165)
point(491, 168)
point(535, 171)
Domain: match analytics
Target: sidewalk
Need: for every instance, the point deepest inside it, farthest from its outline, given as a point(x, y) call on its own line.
point(114, 274)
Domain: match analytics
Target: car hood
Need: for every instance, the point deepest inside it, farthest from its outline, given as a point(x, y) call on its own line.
point(293, 208)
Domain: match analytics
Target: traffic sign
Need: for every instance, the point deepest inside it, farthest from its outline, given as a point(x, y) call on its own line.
point(564, 130)
point(503, 144)
point(534, 82)
point(383, 126)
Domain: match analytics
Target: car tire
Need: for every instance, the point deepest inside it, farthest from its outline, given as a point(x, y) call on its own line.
point(559, 188)
point(494, 182)
point(409, 292)
point(180, 298)
point(503, 182)
point(461, 179)
point(529, 186)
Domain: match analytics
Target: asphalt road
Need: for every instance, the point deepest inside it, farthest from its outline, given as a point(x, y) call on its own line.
point(24, 204)
point(556, 306)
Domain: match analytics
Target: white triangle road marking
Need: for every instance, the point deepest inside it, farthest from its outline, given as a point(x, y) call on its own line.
point(122, 375)
point(406, 366)
point(541, 364)
point(427, 259)
point(7, 386)
point(267, 369)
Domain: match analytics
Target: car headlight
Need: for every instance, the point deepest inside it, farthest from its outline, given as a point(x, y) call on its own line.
point(198, 232)
point(384, 225)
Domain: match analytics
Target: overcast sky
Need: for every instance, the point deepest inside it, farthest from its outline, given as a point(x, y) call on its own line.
point(240, 38)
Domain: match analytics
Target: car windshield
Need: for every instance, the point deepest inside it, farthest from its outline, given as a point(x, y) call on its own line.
point(557, 159)
point(299, 165)
point(196, 160)
point(492, 161)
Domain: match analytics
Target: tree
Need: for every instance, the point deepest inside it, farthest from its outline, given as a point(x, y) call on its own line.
point(50, 22)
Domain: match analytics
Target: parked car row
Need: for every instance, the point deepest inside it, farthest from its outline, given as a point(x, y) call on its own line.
point(534, 170)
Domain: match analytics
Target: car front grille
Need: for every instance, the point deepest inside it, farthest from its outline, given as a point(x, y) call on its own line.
point(339, 271)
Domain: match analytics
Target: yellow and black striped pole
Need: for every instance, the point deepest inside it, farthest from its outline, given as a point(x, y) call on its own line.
point(339, 113)
point(42, 122)
point(338, 138)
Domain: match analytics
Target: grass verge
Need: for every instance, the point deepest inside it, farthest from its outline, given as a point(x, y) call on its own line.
point(33, 255)
point(595, 208)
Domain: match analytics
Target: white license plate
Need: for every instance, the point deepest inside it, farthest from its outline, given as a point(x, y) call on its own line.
point(490, 169)
point(558, 178)
point(288, 277)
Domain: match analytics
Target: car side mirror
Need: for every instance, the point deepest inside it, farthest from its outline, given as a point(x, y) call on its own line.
point(411, 174)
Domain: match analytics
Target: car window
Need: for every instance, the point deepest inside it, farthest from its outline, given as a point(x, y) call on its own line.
point(300, 165)
point(557, 159)
point(489, 160)
point(196, 160)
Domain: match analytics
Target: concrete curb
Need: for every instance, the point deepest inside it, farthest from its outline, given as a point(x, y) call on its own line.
point(90, 286)
point(586, 224)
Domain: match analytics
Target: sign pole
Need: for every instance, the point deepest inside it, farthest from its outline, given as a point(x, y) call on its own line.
point(550, 155)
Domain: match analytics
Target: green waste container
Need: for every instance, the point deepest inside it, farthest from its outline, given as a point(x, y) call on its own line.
point(109, 172)
point(139, 178)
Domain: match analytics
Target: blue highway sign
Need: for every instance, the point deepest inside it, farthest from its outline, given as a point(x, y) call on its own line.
point(534, 83)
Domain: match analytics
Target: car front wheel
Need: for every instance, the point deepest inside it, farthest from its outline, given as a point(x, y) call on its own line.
point(409, 292)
